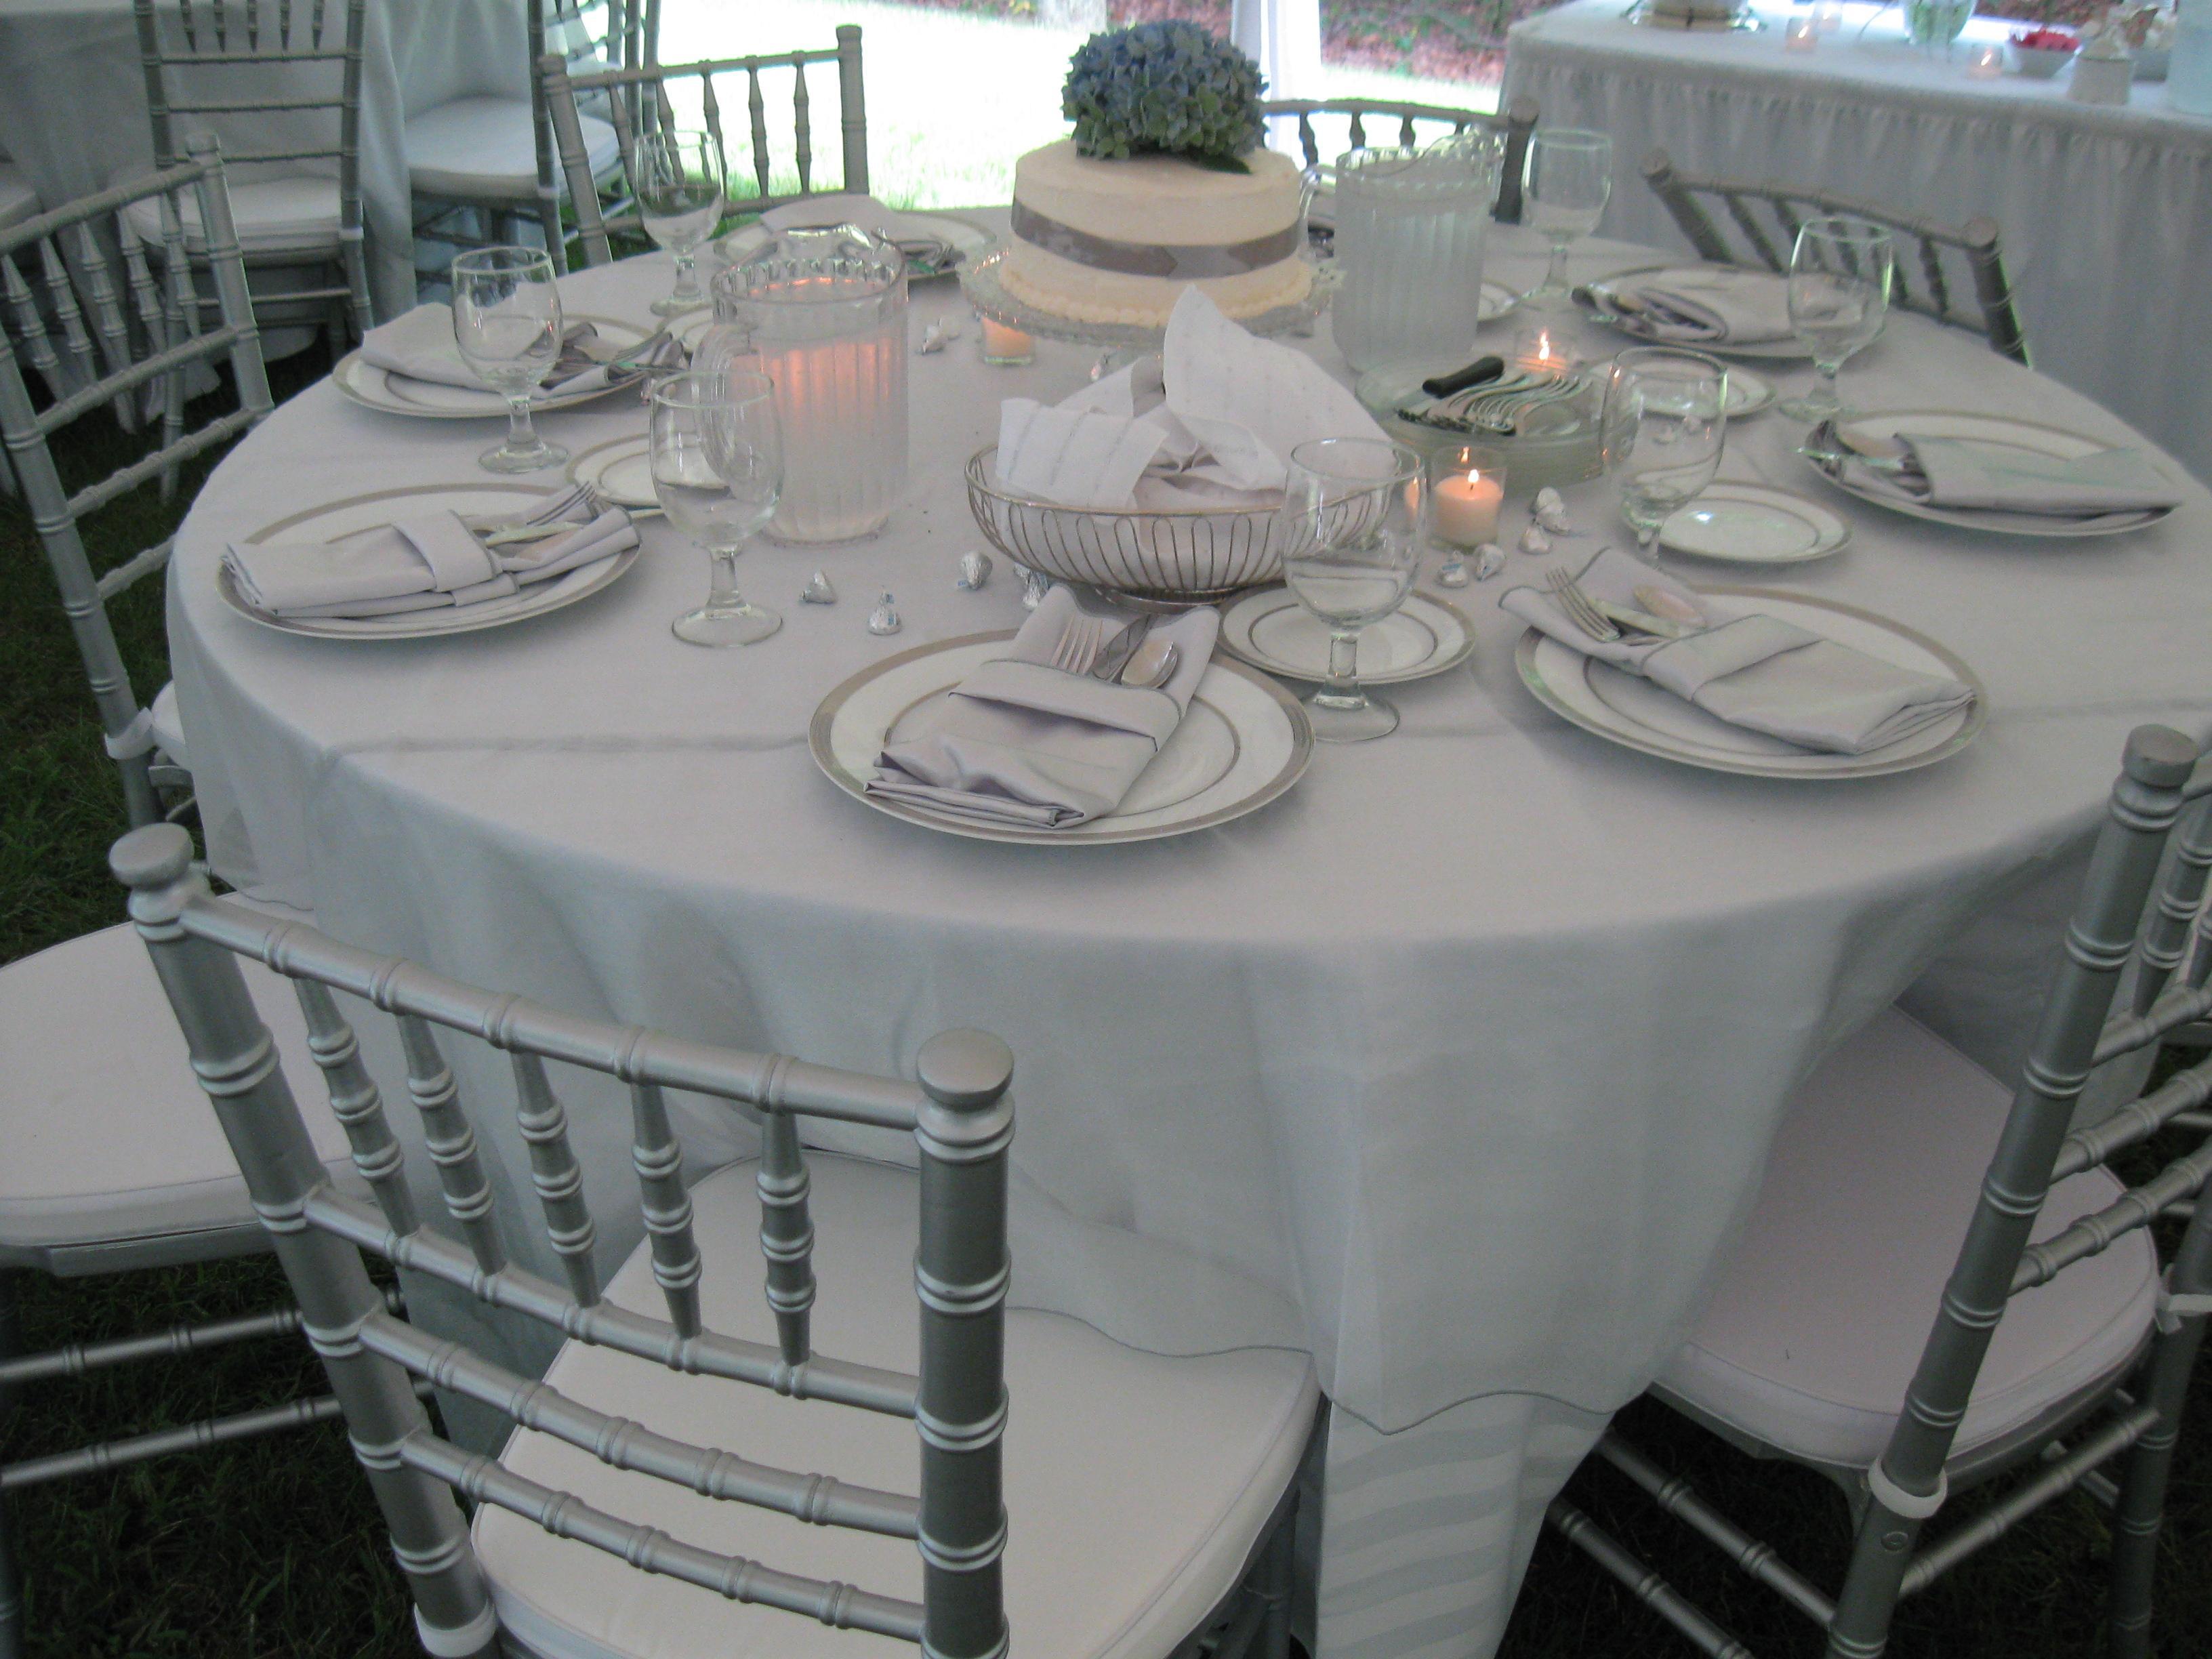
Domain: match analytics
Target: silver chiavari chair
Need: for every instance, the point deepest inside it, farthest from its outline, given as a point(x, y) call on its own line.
point(2063, 1337)
point(641, 101)
point(1417, 124)
point(1925, 248)
point(110, 318)
point(296, 206)
point(1148, 1504)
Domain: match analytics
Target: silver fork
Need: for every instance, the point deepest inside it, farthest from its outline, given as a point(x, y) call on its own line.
point(1077, 648)
point(1576, 604)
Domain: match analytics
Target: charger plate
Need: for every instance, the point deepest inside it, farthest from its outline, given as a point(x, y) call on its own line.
point(1244, 743)
point(1629, 710)
point(355, 513)
point(365, 384)
point(2031, 436)
point(1270, 629)
point(1752, 523)
point(620, 470)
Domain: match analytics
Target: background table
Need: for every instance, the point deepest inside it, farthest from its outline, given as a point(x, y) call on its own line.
point(2106, 211)
point(1456, 1066)
point(74, 114)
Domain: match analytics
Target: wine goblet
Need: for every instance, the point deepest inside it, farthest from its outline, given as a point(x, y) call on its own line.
point(1664, 424)
point(1566, 180)
point(508, 328)
point(1840, 271)
point(717, 471)
point(679, 185)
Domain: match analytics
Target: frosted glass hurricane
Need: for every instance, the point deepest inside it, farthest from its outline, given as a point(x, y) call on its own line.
point(822, 314)
point(1409, 235)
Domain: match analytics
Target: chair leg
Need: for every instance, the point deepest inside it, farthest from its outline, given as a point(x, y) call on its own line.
point(1277, 1568)
point(12, 1640)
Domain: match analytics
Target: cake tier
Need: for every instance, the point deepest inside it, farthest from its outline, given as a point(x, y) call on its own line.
point(1086, 295)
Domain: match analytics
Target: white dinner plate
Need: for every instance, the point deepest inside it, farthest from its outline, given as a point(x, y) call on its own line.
point(1747, 393)
point(1243, 741)
point(2036, 440)
point(395, 394)
point(1629, 710)
point(1751, 524)
point(967, 238)
point(1601, 294)
point(620, 470)
point(1495, 301)
point(1270, 629)
point(336, 519)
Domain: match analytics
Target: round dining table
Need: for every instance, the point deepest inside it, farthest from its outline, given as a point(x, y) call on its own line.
point(1456, 1066)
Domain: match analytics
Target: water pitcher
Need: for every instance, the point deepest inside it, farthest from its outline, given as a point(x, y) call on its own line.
point(1409, 229)
point(822, 314)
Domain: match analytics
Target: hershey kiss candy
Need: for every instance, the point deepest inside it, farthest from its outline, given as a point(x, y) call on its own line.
point(1551, 511)
point(1455, 573)
point(817, 590)
point(933, 337)
point(1489, 560)
point(885, 618)
point(975, 571)
point(1034, 585)
point(1534, 540)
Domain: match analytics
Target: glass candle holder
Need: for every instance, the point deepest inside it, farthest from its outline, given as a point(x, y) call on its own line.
point(1541, 346)
point(1467, 490)
point(1802, 34)
point(1005, 347)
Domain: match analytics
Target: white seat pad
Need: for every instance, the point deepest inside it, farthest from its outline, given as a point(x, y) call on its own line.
point(104, 1134)
point(18, 201)
point(169, 737)
point(297, 215)
point(1818, 1323)
point(1136, 1485)
point(482, 149)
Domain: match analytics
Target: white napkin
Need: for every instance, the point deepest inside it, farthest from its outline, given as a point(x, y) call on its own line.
point(1210, 422)
point(1962, 474)
point(420, 563)
point(419, 346)
point(1023, 744)
point(1718, 304)
point(1753, 670)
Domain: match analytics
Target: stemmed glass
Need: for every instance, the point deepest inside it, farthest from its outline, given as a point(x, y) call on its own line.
point(508, 328)
point(1352, 516)
point(1664, 424)
point(1839, 277)
point(677, 176)
point(718, 470)
point(1566, 180)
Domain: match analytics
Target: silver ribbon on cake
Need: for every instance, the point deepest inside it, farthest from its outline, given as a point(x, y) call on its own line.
point(1182, 261)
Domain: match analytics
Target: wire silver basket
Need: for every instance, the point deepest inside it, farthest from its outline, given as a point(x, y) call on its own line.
point(1187, 557)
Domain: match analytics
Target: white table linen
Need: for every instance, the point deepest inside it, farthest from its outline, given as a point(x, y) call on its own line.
point(74, 117)
point(1406, 1050)
point(2106, 211)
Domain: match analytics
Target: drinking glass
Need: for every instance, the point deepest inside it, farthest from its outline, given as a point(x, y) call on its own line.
point(1353, 514)
point(508, 327)
point(1839, 277)
point(1664, 424)
point(1566, 180)
point(679, 180)
point(718, 470)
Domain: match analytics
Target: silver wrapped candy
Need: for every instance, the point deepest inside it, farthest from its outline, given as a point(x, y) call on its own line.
point(1034, 585)
point(817, 590)
point(1489, 560)
point(1534, 540)
point(885, 618)
point(1453, 572)
point(975, 571)
point(1551, 511)
point(938, 335)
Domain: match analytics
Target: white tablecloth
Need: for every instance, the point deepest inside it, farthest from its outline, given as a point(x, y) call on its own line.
point(2106, 211)
point(1467, 1050)
point(74, 111)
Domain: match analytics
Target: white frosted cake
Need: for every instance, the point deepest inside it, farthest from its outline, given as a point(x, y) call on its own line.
point(1118, 241)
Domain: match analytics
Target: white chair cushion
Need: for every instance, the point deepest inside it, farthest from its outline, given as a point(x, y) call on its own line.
point(1813, 1338)
point(296, 215)
point(483, 149)
point(104, 1133)
point(18, 201)
point(169, 734)
point(1136, 1485)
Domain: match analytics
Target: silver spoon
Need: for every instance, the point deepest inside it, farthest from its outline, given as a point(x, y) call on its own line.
point(1152, 664)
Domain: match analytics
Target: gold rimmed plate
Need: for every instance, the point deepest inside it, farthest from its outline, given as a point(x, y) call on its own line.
point(362, 382)
point(1270, 629)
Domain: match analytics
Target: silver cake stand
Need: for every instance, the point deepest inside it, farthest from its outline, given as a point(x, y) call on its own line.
point(979, 280)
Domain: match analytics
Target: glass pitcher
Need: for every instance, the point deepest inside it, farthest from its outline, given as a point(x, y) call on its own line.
point(822, 314)
point(1409, 231)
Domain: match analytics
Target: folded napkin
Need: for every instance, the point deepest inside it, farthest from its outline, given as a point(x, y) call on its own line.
point(423, 563)
point(1964, 474)
point(1753, 670)
point(1210, 422)
point(419, 346)
point(1719, 304)
point(1022, 744)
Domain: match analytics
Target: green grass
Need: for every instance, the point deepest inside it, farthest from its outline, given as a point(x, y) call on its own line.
point(272, 1550)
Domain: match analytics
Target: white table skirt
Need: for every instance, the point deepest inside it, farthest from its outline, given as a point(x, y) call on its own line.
point(74, 114)
point(2106, 212)
point(1465, 1054)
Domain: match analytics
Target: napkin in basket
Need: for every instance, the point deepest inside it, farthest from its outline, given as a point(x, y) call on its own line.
point(1963, 475)
point(423, 563)
point(419, 346)
point(1024, 746)
point(1211, 421)
point(1753, 670)
point(1713, 304)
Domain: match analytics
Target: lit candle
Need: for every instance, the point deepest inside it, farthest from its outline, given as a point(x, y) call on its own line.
point(1828, 16)
point(1467, 505)
point(1986, 65)
point(1803, 34)
point(1005, 347)
point(1540, 350)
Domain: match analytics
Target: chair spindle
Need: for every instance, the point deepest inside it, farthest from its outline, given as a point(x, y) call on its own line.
point(667, 1206)
point(452, 1143)
point(786, 1232)
point(357, 1105)
point(558, 1178)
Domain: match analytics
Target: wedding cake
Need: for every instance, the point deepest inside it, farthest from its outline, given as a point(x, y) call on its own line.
point(1164, 186)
